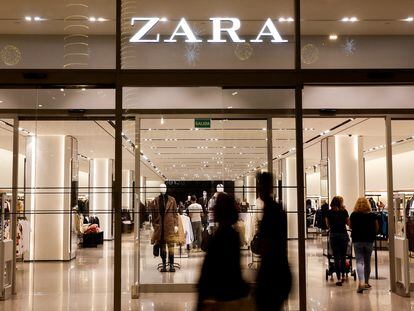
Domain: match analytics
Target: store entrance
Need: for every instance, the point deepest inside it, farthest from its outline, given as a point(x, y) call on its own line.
point(195, 162)
point(346, 156)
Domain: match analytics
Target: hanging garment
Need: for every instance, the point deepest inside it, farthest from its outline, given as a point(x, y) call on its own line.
point(181, 232)
point(188, 229)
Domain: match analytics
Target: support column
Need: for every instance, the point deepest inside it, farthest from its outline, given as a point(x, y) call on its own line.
point(101, 178)
point(143, 189)
point(270, 148)
point(346, 168)
point(238, 184)
point(127, 183)
point(250, 182)
point(140, 192)
point(15, 182)
point(290, 195)
point(390, 203)
point(49, 175)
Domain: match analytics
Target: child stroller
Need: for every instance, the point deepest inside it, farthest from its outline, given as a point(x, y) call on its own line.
point(331, 262)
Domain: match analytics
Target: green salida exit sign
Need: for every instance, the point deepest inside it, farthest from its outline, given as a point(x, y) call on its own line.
point(202, 123)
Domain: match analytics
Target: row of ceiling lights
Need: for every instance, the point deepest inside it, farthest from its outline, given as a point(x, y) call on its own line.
point(345, 19)
point(40, 19)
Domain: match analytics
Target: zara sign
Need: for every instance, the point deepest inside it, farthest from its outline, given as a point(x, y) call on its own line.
point(183, 30)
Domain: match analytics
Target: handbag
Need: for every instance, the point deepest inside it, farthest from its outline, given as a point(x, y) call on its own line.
point(156, 250)
point(205, 240)
point(255, 245)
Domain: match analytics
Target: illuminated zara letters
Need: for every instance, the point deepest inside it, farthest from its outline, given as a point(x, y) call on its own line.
point(222, 29)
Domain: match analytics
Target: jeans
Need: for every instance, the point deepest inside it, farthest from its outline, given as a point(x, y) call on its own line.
point(363, 251)
point(197, 233)
point(339, 244)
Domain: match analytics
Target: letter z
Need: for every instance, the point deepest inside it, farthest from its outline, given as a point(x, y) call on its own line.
point(139, 36)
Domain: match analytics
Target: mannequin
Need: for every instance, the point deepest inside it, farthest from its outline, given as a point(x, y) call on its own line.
point(212, 226)
point(187, 203)
point(165, 223)
point(203, 201)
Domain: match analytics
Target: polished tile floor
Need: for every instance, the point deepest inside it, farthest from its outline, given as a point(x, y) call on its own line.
point(86, 283)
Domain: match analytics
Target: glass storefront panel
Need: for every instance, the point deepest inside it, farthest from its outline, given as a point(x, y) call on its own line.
point(39, 34)
point(64, 203)
point(329, 98)
point(225, 100)
point(343, 157)
point(75, 100)
point(355, 34)
point(285, 191)
point(213, 35)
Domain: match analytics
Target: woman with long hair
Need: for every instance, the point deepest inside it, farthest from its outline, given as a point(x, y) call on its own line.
point(364, 227)
point(336, 220)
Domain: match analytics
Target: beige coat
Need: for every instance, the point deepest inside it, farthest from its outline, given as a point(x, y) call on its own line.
point(170, 221)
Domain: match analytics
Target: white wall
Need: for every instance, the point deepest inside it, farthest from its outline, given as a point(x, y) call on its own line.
point(83, 181)
point(313, 184)
point(403, 171)
point(101, 193)
point(6, 169)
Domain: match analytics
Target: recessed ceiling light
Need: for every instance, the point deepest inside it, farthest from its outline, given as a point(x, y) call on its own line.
point(352, 19)
point(333, 37)
point(408, 19)
point(282, 19)
point(83, 89)
point(28, 18)
point(101, 19)
point(92, 19)
point(1, 101)
point(62, 90)
point(40, 105)
point(290, 19)
point(38, 19)
point(164, 19)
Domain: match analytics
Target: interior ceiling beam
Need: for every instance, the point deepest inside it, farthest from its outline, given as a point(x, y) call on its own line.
point(228, 78)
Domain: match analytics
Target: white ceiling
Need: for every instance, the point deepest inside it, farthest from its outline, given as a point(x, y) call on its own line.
point(175, 146)
point(320, 16)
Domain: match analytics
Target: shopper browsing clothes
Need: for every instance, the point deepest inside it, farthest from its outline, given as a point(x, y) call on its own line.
point(336, 220)
point(196, 211)
point(221, 286)
point(274, 278)
point(364, 227)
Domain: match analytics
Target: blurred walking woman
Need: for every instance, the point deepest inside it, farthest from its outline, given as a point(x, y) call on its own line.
point(221, 285)
point(364, 227)
point(336, 220)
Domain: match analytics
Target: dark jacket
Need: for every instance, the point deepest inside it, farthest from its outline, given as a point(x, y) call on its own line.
point(274, 277)
point(221, 277)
